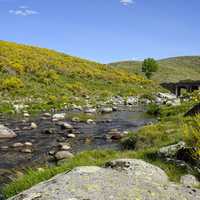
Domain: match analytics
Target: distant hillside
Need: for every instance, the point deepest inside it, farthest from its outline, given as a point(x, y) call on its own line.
point(46, 77)
point(171, 69)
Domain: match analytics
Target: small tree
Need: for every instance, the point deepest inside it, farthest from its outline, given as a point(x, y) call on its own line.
point(149, 66)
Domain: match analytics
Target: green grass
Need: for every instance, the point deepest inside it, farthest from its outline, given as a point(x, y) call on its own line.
point(90, 158)
point(45, 79)
point(171, 128)
point(170, 70)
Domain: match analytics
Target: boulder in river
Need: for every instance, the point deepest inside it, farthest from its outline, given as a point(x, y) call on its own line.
point(17, 145)
point(90, 110)
point(106, 110)
point(71, 135)
point(59, 116)
point(128, 179)
point(60, 155)
point(64, 125)
point(6, 133)
point(33, 125)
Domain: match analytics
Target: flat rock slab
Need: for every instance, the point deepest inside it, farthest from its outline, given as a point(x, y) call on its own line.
point(124, 179)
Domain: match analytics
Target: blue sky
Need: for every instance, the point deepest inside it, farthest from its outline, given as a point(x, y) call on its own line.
point(105, 30)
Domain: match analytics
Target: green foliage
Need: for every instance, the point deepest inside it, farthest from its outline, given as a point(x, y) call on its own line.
point(11, 83)
point(153, 109)
point(149, 66)
point(191, 130)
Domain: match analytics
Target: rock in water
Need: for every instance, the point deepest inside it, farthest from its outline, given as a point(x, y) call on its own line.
point(125, 179)
point(106, 110)
point(59, 116)
point(6, 133)
point(63, 155)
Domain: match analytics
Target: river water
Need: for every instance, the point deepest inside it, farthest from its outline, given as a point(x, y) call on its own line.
point(89, 136)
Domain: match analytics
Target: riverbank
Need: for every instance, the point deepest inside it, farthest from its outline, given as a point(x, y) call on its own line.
point(108, 129)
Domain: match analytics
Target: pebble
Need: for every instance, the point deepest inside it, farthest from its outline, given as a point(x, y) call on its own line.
point(63, 155)
point(47, 115)
point(26, 115)
point(71, 135)
point(17, 145)
point(29, 144)
point(90, 121)
point(26, 150)
point(33, 125)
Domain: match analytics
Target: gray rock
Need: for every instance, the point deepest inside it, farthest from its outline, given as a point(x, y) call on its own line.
point(71, 135)
point(26, 150)
point(106, 110)
point(66, 125)
point(90, 121)
point(26, 114)
point(47, 114)
point(33, 125)
point(6, 133)
point(28, 144)
point(132, 100)
point(63, 155)
point(90, 110)
point(124, 179)
point(189, 180)
point(17, 145)
point(171, 151)
point(59, 116)
point(64, 146)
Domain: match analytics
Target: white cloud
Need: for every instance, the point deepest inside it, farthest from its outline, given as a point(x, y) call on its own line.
point(23, 11)
point(126, 2)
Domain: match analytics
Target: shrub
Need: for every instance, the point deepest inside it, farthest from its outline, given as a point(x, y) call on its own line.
point(191, 130)
point(153, 109)
point(11, 83)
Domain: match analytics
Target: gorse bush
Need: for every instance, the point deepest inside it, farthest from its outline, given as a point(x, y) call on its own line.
point(191, 130)
point(11, 83)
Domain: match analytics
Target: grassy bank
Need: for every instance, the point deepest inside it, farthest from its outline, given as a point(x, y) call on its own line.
point(143, 144)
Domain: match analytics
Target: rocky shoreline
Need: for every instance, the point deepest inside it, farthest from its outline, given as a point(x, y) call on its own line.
point(128, 179)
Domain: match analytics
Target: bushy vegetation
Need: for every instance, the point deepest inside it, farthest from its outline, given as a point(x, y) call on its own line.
point(153, 109)
point(171, 128)
point(191, 131)
point(149, 66)
point(40, 74)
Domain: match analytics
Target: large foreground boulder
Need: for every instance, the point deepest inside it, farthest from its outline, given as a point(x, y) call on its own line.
point(124, 179)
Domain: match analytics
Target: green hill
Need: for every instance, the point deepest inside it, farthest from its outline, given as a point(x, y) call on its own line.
point(44, 78)
point(171, 69)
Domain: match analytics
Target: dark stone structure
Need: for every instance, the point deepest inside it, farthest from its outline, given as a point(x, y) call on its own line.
point(175, 88)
